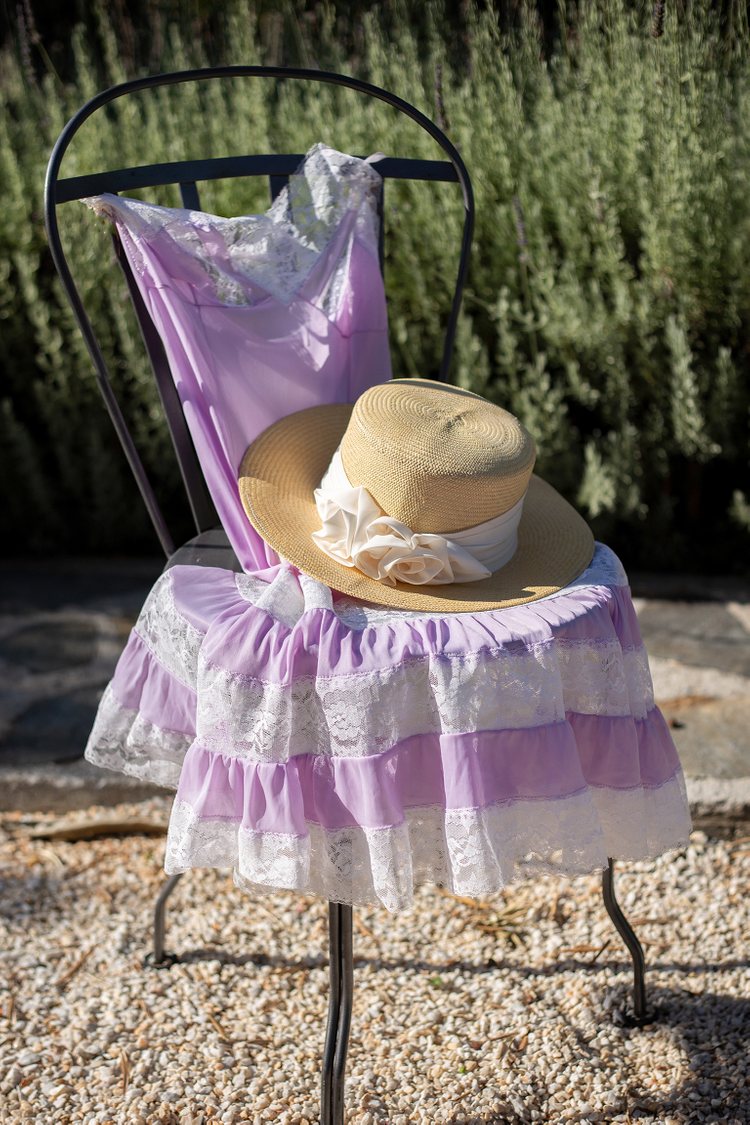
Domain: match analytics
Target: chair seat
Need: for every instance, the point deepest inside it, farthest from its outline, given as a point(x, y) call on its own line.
point(210, 548)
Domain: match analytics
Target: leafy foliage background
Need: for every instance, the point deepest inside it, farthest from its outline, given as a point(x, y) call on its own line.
point(609, 296)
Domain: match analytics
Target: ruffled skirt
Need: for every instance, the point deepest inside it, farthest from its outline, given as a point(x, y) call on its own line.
point(326, 746)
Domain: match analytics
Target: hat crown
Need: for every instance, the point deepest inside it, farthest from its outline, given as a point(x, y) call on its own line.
point(435, 457)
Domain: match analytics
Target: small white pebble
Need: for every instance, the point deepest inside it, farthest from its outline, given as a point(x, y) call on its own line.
point(28, 1058)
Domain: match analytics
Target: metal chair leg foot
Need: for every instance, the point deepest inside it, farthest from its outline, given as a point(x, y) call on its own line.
point(339, 1013)
point(345, 1014)
point(642, 1014)
point(158, 959)
point(334, 1000)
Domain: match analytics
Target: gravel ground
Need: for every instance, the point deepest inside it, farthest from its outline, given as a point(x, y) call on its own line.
point(505, 1010)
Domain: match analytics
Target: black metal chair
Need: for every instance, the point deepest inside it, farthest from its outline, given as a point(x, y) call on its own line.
point(210, 546)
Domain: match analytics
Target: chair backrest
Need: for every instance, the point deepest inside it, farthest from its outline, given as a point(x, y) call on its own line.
point(188, 175)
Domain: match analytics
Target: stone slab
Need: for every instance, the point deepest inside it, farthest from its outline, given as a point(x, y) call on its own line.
point(712, 736)
point(697, 634)
point(63, 626)
point(67, 787)
point(720, 807)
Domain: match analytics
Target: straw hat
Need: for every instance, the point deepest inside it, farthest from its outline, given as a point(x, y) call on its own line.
point(419, 496)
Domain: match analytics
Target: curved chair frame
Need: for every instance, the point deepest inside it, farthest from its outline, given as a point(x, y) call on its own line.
point(188, 174)
point(210, 546)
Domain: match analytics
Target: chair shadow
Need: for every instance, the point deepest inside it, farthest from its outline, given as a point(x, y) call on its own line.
point(18, 891)
point(466, 968)
point(712, 1030)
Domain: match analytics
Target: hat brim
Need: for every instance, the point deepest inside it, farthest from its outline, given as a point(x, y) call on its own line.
point(285, 464)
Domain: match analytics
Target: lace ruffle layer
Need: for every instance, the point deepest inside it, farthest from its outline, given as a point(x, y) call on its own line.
point(126, 741)
point(469, 851)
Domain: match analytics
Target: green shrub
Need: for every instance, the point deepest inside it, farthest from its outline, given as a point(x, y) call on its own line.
point(609, 299)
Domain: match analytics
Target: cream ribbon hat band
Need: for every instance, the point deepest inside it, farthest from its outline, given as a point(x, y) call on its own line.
point(420, 496)
point(357, 533)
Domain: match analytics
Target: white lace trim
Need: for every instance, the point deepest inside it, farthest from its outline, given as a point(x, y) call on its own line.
point(252, 589)
point(356, 715)
point(275, 251)
point(605, 569)
point(470, 851)
point(169, 636)
point(291, 594)
point(122, 739)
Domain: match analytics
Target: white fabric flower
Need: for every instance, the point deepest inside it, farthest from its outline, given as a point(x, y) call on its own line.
point(356, 534)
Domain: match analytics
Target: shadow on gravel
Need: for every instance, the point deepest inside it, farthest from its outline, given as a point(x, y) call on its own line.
point(714, 1031)
point(24, 895)
point(466, 968)
point(709, 1029)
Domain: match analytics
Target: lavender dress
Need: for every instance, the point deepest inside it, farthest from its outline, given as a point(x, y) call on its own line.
point(263, 315)
point(318, 743)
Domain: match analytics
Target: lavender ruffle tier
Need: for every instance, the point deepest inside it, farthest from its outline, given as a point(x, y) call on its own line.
point(326, 746)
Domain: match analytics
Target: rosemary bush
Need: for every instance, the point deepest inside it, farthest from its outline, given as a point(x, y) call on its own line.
point(609, 299)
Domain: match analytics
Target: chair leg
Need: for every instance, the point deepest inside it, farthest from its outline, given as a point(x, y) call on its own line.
point(340, 947)
point(641, 1013)
point(158, 959)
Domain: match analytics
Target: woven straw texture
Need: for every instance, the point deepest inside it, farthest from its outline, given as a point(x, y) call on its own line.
point(283, 467)
point(438, 458)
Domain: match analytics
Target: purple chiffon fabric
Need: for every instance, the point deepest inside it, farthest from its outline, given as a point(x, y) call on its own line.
point(462, 771)
point(243, 356)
